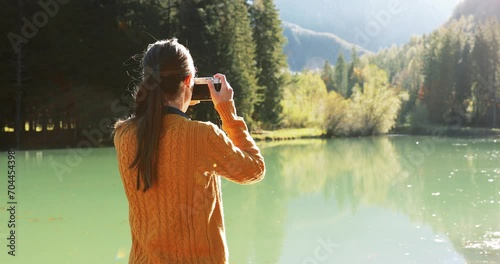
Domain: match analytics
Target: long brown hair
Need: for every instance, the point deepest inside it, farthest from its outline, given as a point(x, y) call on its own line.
point(166, 64)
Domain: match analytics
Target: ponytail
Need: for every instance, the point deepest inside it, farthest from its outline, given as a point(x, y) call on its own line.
point(166, 64)
point(149, 125)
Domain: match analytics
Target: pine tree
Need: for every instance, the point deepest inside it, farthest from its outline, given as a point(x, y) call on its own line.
point(219, 37)
point(354, 72)
point(74, 69)
point(198, 27)
point(151, 16)
point(463, 86)
point(271, 61)
point(439, 72)
point(328, 76)
point(445, 85)
point(483, 89)
point(341, 76)
point(494, 31)
point(237, 55)
point(431, 74)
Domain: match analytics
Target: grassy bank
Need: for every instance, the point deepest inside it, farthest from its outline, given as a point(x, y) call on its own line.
point(430, 130)
point(447, 131)
point(287, 134)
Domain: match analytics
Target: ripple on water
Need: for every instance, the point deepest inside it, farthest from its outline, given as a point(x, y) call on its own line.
point(491, 242)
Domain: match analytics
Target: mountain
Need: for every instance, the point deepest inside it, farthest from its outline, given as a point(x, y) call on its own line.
point(309, 49)
point(480, 9)
point(372, 24)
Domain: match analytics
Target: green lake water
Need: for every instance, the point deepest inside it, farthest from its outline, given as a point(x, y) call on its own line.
point(396, 199)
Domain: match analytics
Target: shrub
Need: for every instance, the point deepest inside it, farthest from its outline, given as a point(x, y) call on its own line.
point(303, 101)
point(372, 108)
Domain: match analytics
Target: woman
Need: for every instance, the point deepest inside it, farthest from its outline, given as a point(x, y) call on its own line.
point(171, 166)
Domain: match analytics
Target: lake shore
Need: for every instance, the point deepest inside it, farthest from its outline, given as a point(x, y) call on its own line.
point(288, 134)
point(447, 131)
point(443, 131)
point(299, 133)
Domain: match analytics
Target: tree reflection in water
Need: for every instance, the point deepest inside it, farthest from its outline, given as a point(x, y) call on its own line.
point(455, 191)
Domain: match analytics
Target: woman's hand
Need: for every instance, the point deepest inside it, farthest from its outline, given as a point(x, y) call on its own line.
point(194, 102)
point(226, 92)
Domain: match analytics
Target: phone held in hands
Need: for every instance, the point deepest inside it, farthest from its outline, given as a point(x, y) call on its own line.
point(201, 91)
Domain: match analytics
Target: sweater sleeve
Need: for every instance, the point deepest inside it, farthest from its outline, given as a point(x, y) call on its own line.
point(235, 155)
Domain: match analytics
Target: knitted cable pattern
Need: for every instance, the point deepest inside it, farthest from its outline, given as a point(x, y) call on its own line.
point(180, 219)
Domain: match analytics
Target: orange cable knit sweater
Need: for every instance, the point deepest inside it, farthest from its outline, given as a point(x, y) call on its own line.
point(180, 219)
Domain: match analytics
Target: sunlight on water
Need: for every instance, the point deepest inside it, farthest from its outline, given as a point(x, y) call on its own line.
point(122, 253)
point(491, 241)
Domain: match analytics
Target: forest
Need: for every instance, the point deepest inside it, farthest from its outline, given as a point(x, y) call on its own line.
point(449, 77)
point(68, 68)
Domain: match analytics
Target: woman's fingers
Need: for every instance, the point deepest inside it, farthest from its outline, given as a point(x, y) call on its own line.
point(225, 93)
point(194, 102)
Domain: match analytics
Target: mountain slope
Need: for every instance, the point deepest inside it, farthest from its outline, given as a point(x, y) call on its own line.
point(373, 24)
point(480, 9)
point(309, 49)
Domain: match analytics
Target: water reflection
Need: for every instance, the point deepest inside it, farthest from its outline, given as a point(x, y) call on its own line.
point(322, 201)
point(453, 192)
point(458, 195)
point(68, 206)
point(255, 215)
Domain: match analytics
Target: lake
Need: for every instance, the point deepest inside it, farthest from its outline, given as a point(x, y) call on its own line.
point(390, 199)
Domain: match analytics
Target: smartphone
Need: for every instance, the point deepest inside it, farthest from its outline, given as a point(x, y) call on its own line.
point(200, 89)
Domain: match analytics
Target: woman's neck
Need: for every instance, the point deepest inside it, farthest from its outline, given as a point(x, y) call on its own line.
point(181, 102)
point(175, 105)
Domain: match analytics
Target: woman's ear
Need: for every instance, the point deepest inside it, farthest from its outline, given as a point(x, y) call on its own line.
point(189, 81)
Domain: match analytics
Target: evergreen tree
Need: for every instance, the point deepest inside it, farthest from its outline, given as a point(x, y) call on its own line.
point(328, 76)
point(237, 54)
point(271, 61)
point(72, 48)
point(496, 59)
point(431, 73)
point(483, 89)
point(11, 69)
point(464, 75)
point(354, 72)
point(151, 16)
point(198, 27)
point(341, 81)
point(446, 83)
point(219, 36)
point(439, 82)
point(494, 42)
